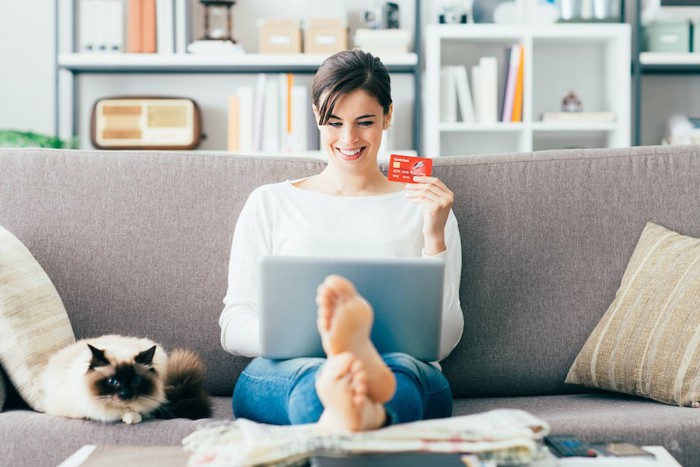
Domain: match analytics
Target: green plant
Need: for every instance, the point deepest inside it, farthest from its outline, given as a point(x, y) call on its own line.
point(28, 139)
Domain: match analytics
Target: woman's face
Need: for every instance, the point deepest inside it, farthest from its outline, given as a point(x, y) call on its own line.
point(353, 134)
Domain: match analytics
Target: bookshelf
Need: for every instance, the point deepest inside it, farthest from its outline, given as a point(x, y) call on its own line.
point(82, 78)
point(590, 59)
point(669, 78)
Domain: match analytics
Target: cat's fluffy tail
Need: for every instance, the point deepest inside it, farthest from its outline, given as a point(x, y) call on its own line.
point(184, 388)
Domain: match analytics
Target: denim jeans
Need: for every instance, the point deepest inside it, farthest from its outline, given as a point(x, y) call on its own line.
point(283, 392)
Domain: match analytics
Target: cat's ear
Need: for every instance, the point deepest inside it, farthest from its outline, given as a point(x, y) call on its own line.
point(146, 357)
point(98, 357)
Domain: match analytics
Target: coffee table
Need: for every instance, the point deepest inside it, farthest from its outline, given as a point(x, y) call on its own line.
point(175, 456)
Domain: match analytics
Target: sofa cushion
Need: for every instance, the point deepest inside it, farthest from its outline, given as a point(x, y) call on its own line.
point(33, 322)
point(647, 342)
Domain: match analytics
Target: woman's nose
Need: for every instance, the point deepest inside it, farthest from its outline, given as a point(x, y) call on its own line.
point(349, 134)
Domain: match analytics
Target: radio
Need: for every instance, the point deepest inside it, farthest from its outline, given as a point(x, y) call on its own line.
point(145, 123)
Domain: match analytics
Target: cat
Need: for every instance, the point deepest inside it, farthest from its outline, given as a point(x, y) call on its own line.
point(113, 377)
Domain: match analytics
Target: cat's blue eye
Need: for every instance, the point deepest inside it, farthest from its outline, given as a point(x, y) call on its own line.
point(136, 381)
point(113, 382)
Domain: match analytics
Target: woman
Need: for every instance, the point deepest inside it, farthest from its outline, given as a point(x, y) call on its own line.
point(349, 209)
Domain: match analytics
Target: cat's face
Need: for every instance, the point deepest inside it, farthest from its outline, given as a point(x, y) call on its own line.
point(125, 382)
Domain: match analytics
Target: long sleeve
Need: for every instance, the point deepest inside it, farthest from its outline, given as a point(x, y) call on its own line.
point(239, 322)
point(452, 318)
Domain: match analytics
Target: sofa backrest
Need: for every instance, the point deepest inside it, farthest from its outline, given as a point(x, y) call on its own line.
point(138, 243)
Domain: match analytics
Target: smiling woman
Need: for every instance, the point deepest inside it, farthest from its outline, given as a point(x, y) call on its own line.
point(349, 209)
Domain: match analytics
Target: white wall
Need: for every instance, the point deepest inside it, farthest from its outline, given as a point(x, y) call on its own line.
point(27, 65)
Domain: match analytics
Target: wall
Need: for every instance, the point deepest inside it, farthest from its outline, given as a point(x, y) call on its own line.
point(27, 65)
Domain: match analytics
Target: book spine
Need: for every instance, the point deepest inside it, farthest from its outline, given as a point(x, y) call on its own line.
point(271, 120)
point(116, 26)
point(165, 26)
point(517, 115)
point(489, 89)
point(182, 26)
point(448, 96)
point(134, 35)
point(511, 82)
point(234, 117)
point(149, 26)
point(260, 89)
point(464, 96)
point(299, 116)
point(476, 87)
point(245, 119)
point(87, 23)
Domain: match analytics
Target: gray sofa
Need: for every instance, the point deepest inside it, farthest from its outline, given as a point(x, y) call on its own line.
point(138, 243)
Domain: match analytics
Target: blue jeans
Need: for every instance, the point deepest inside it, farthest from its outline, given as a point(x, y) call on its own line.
point(283, 392)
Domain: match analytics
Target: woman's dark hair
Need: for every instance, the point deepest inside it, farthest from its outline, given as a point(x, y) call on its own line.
point(345, 72)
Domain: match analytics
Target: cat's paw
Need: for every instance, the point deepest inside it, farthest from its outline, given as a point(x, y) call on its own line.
point(131, 418)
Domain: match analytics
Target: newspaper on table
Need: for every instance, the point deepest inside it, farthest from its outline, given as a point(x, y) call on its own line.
point(505, 436)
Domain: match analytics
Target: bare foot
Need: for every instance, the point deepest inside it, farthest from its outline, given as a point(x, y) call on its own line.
point(342, 388)
point(344, 322)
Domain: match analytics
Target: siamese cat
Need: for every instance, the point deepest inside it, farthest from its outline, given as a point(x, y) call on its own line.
point(113, 378)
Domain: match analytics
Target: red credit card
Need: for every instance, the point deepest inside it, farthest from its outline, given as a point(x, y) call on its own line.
point(404, 168)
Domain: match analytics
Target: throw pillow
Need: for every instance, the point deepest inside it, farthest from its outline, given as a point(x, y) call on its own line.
point(648, 341)
point(2, 391)
point(33, 322)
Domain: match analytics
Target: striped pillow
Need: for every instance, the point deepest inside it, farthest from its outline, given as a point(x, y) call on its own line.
point(648, 342)
point(33, 322)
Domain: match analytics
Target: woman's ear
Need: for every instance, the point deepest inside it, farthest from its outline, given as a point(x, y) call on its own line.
point(387, 117)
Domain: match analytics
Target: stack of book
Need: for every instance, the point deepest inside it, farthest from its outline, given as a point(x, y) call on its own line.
point(133, 26)
point(271, 117)
point(462, 101)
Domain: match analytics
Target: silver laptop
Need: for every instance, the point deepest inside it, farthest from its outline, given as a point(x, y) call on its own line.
point(405, 293)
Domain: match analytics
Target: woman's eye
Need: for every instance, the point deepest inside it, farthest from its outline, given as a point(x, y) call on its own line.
point(335, 124)
point(367, 123)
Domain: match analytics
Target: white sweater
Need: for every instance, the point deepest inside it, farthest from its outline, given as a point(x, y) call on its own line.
point(281, 219)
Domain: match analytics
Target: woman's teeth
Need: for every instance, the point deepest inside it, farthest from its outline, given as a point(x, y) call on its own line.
point(346, 152)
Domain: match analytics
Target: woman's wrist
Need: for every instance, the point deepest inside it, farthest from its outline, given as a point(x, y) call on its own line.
point(434, 246)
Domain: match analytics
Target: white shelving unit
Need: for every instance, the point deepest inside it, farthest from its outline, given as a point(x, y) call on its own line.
point(81, 78)
point(590, 59)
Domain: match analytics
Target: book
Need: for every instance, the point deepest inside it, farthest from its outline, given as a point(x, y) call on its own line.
point(517, 115)
point(134, 26)
point(464, 95)
point(234, 117)
point(87, 31)
point(259, 112)
point(448, 96)
point(476, 90)
point(165, 26)
point(488, 90)
point(149, 26)
point(510, 83)
point(578, 117)
point(183, 25)
point(298, 140)
point(271, 121)
point(245, 120)
point(115, 26)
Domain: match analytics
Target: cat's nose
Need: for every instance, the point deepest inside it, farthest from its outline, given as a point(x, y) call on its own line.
point(125, 394)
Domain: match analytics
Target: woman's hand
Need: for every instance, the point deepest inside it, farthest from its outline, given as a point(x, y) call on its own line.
point(437, 201)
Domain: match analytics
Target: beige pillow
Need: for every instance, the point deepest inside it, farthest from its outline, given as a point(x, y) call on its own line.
point(648, 342)
point(33, 322)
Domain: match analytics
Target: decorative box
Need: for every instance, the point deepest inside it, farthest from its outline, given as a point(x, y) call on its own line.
point(279, 36)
